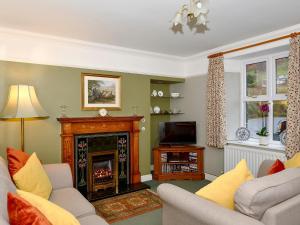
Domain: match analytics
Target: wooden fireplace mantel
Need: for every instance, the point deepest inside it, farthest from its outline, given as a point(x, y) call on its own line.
point(91, 125)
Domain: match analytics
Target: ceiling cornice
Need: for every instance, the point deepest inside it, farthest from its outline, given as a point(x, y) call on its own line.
point(88, 44)
point(23, 46)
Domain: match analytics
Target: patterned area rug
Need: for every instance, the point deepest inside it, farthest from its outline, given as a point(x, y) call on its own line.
point(128, 205)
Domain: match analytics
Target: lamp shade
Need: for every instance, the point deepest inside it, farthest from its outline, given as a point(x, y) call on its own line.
point(22, 103)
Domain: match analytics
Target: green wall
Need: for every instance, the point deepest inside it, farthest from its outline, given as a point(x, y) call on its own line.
point(57, 86)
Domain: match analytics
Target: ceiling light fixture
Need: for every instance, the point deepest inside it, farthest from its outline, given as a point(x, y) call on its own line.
point(195, 12)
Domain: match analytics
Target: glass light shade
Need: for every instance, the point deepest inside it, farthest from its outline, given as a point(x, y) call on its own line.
point(199, 5)
point(196, 12)
point(22, 103)
point(202, 19)
point(178, 19)
point(203, 10)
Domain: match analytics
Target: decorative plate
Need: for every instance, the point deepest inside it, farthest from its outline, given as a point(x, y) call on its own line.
point(242, 134)
point(102, 112)
point(156, 109)
point(282, 137)
point(154, 93)
point(160, 93)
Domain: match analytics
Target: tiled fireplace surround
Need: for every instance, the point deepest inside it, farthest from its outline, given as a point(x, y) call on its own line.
point(103, 153)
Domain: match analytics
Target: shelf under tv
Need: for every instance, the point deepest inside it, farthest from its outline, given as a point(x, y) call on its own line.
point(189, 158)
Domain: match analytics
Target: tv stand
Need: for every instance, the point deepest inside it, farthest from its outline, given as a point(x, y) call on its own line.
point(178, 163)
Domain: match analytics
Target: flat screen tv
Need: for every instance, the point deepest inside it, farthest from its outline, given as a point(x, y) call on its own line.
point(177, 133)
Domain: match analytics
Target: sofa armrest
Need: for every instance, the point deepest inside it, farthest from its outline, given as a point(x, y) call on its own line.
point(264, 168)
point(59, 174)
point(183, 207)
point(286, 212)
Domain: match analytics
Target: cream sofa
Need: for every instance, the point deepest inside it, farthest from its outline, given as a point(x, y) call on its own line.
point(267, 200)
point(63, 194)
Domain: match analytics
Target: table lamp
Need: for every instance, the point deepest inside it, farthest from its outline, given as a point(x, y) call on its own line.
point(22, 103)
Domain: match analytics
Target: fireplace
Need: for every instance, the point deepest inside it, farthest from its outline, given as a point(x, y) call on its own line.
point(103, 171)
point(102, 163)
point(103, 153)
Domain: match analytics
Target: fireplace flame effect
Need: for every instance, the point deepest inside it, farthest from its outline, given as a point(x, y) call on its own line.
point(102, 172)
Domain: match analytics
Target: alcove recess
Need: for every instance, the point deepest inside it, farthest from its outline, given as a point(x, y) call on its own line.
point(165, 103)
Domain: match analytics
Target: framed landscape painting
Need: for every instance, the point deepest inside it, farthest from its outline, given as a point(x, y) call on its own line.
point(100, 91)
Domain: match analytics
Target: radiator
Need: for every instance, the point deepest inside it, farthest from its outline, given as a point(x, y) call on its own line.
point(254, 156)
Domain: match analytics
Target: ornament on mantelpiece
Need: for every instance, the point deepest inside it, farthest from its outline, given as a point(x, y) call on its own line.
point(103, 112)
point(63, 111)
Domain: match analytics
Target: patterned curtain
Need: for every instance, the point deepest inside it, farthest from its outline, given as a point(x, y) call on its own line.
point(216, 127)
point(293, 111)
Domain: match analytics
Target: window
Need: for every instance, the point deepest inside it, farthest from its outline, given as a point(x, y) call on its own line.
point(265, 82)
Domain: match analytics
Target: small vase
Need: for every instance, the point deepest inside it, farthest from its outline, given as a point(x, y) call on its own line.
point(263, 140)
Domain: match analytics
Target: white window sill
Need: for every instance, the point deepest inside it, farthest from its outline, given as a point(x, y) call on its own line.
point(274, 147)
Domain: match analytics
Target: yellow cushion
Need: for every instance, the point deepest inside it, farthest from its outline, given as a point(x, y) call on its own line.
point(33, 178)
point(55, 214)
point(293, 162)
point(222, 189)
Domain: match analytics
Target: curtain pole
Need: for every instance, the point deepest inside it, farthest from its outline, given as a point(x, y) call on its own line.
point(254, 45)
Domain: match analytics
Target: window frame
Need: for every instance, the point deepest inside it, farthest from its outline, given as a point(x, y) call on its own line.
point(270, 96)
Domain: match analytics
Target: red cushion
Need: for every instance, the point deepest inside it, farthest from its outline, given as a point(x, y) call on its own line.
point(16, 160)
point(276, 167)
point(21, 212)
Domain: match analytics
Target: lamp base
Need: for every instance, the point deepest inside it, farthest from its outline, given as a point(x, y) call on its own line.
point(22, 135)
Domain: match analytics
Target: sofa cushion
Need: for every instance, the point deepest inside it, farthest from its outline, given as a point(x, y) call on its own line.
point(71, 200)
point(222, 189)
point(294, 162)
point(6, 185)
point(21, 212)
point(16, 160)
point(54, 213)
point(92, 220)
point(276, 167)
point(254, 197)
point(33, 178)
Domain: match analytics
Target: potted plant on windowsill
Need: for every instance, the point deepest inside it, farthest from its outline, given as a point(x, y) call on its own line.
point(263, 132)
point(263, 136)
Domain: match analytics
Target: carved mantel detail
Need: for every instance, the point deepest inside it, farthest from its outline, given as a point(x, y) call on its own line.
point(92, 125)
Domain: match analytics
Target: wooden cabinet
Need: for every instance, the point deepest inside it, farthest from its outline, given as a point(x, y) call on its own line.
point(182, 162)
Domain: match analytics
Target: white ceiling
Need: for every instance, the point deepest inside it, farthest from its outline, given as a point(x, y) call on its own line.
point(145, 25)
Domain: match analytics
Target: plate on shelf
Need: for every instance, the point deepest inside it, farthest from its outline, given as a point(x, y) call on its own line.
point(160, 93)
point(156, 109)
point(242, 134)
point(282, 137)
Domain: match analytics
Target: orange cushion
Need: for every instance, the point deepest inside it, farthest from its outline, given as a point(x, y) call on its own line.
point(16, 160)
point(276, 167)
point(21, 212)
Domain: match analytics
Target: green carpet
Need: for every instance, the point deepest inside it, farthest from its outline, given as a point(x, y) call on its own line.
point(154, 217)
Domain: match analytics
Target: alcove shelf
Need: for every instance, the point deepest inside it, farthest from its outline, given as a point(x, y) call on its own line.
point(164, 84)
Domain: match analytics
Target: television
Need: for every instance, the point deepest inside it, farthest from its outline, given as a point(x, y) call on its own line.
point(177, 133)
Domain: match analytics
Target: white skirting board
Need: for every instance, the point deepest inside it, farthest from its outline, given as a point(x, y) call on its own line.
point(146, 177)
point(210, 177)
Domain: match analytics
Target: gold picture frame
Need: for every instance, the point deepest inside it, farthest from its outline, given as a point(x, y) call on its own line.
point(100, 91)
